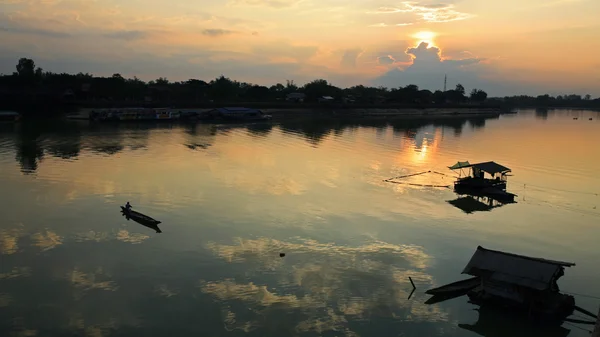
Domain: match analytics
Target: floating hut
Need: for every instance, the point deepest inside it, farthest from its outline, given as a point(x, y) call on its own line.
point(519, 281)
point(488, 178)
point(515, 281)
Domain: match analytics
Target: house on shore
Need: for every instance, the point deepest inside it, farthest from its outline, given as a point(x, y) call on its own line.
point(297, 97)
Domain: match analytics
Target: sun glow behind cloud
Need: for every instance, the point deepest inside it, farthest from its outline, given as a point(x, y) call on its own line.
point(280, 39)
point(425, 36)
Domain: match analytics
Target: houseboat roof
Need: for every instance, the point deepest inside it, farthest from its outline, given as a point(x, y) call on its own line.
point(488, 167)
point(491, 167)
point(522, 270)
point(459, 165)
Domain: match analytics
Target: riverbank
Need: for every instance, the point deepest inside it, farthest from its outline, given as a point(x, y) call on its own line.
point(390, 113)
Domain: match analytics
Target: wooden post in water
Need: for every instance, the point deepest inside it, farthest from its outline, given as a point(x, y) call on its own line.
point(596, 332)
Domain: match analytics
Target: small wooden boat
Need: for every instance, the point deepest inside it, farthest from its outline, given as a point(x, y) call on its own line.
point(460, 287)
point(139, 217)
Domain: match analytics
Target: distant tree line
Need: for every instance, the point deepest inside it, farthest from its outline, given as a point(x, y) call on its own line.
point(32, 84)
point(547, 101)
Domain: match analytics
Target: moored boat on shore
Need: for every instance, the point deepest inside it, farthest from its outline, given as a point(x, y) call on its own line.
point(233, 115)
point(9, 116)
point(134, 114)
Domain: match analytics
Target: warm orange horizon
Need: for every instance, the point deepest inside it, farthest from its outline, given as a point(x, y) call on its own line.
point(505, 48)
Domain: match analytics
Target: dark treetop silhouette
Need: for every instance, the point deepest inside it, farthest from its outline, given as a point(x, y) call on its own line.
point(31, 88)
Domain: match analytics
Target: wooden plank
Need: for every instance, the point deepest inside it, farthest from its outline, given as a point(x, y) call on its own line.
point(596, 332)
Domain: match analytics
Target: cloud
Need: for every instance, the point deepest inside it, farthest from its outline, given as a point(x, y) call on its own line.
point(89, 281)
point(217, 32)
point(9, 240)
point(16, 272)
point(388, 59)
point(428, 68)
point(127, 35)
point(426, 12)
point(381, 24)
point(46, 241)
point(283, 49)
point(34, 31)
point(10, 2)
point(350, 56)
point(278, 4)
point(332, 285)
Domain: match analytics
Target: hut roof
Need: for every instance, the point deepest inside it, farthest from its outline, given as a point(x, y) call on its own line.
point(491, 167)
point(525, 271)
point(459, 165)
point(488, 166)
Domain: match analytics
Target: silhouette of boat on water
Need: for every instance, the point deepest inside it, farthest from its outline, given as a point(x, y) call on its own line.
point(452, 290)
point(487, 178)
point(140, 218)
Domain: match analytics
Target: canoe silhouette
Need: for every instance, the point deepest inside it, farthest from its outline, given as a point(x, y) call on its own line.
point(137, 216)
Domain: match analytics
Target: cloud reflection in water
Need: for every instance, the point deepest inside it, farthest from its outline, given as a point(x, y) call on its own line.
point(324, 285)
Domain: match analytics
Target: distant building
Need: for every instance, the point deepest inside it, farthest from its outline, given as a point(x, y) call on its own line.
point(295, 97)
point(326, 99)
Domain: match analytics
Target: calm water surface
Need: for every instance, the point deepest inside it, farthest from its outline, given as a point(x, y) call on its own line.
point(232, 199)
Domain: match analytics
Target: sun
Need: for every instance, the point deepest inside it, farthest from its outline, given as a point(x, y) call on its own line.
point(425, 36)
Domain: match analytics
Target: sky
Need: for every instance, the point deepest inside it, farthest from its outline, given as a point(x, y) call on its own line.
point(503, 47)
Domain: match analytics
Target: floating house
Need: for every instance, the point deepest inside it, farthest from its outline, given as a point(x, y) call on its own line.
point(488, 178)
point(519, 281)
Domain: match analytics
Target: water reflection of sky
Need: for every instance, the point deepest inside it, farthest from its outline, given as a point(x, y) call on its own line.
point(231, 199)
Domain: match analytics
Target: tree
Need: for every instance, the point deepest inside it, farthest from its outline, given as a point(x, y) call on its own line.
point(118, 77)
point(319, 88)
point(588, 97)
point(424, 96)
point(439, 97)
point(478, 95)
point(26, 67)
point(161, 81)
point(39, 73)
point(290, 86)
point(257, 93)
point(223, 88)
point(460, 89)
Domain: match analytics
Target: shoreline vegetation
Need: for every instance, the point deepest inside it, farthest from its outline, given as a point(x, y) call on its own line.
point(350, 113)
point(34, 92)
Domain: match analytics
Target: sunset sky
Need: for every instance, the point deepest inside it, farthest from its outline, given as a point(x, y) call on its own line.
point(504, 47)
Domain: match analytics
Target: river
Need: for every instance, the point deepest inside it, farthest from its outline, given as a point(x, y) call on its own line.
point(233, 199)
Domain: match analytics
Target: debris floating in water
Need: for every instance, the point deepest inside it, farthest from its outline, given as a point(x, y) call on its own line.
point(281, 254)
